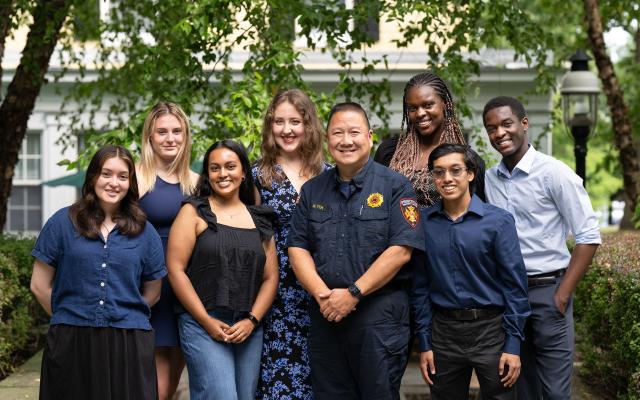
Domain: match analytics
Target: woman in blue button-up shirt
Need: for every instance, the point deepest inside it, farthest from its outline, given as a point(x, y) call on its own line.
point(97, 271)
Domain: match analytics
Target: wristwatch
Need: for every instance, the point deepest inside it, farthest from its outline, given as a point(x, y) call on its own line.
point(354, 290)
point(255, 321)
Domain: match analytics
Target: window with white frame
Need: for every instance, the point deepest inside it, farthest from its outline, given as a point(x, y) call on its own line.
point(24, 210)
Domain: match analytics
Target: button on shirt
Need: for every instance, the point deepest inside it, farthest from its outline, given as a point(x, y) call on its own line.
point(472, 262)
point(548, 201)
point(96, 283)
point(346, 226)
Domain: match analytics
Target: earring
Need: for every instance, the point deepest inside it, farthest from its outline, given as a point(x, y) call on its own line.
point(243, 179)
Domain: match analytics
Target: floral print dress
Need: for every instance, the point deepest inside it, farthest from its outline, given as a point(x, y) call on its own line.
point(285, 372)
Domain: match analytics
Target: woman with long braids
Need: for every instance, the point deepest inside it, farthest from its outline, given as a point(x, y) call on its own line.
point(429, 115)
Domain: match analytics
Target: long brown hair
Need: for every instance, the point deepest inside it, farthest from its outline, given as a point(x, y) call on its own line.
point(406, 157)
point(310, 148)
point(179, 166)
point(87, 215)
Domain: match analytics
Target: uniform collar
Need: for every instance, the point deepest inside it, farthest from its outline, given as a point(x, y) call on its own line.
point(359, 179)
point(523, 165)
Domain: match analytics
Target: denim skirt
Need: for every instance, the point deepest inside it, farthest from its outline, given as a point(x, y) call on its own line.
point(81, 362)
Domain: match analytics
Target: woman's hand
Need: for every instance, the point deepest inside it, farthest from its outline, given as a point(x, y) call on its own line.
point(217, 330)
point(240, 331)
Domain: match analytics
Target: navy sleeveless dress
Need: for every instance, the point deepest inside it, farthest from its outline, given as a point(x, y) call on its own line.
point(161, 206)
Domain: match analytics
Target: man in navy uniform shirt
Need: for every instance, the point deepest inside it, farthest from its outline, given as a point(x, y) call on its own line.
point(353, 230)
point(470, 290)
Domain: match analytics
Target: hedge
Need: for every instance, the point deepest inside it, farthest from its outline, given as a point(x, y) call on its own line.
point(21, 318)
point(607, 308)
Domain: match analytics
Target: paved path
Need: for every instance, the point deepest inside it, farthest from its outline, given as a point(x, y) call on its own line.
point(24, 383)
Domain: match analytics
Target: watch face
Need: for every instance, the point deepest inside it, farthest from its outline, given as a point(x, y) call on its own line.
point(354, 290)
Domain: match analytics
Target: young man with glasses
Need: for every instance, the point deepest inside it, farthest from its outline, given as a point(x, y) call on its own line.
point(470, 295)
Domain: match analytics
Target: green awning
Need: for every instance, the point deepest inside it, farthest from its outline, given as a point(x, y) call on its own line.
point(196, 165)
point(75, 180)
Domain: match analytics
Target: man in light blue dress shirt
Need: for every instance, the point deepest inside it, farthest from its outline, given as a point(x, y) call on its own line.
point(548, 201)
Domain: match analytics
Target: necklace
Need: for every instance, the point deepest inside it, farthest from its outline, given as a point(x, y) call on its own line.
point(107, 229)
point(230, 215)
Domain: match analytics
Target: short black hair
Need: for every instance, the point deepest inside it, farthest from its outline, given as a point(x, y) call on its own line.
point(504, 101)
point(247, 193)
point(348, 106)
point(469, 155)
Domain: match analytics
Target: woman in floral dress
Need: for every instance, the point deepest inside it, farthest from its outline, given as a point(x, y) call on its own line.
point(291, 155)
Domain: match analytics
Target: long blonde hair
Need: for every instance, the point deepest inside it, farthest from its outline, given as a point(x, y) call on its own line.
point(310, 148)
point(179, 166)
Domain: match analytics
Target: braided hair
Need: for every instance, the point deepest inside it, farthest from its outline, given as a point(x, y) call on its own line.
point(407, 155)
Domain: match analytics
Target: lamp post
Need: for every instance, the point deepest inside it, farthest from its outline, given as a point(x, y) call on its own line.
point(580, 89)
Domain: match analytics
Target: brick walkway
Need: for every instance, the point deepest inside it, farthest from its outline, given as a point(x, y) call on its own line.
point(24, 383)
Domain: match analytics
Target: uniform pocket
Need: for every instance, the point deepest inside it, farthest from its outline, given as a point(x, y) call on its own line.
point(373, 227)
point(323, 231)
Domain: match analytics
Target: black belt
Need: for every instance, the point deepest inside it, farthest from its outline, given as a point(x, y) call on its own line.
point(470, 314)
point(548, 278)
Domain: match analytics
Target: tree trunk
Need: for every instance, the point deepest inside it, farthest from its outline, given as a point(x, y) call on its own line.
point(618, 108)
point(6, 11)
point(48, 17)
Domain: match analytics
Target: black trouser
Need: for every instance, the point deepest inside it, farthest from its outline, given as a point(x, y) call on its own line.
point(363, 356)
point(462, 346)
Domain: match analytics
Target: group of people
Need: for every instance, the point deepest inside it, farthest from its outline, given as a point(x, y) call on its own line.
point(293, 279)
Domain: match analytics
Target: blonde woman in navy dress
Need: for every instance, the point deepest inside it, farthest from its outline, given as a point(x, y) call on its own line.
point(97, 271)
point(223, 269)
point(165, 180)
point(291, 155)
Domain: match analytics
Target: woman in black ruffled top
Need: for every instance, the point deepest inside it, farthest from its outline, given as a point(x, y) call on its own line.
point(224, 271)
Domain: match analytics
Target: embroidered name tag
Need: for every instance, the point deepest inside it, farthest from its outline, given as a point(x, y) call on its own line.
point(318, 206)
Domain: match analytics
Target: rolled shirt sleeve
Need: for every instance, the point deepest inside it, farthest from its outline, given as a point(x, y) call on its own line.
point(573, 203)
point(48, 246)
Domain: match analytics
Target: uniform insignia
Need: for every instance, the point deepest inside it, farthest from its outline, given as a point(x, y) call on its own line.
point(410, 211)
point(318, 206)
point(375, 200)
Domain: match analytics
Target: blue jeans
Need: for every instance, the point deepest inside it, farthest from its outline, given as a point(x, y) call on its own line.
point(220, 371)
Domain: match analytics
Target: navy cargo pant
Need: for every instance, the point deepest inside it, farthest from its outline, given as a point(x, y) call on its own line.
point(364, 355)
point(547, 353)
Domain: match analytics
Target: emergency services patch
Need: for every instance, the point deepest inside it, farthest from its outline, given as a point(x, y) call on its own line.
point(375, 200)
point(410, 211)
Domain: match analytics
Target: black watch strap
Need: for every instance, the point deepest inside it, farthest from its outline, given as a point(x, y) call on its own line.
point(354, 290)
point(255, 321)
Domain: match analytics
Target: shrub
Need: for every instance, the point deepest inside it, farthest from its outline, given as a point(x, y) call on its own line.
point(20, 315)
point(607, 307)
